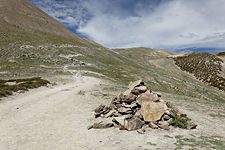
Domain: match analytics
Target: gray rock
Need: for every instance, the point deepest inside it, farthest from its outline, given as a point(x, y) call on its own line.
point(191, 125)
point(101, 125)
point(130, 98)
point(134, 124)
point(166, 117)
point(132, 106)
point(152, 125)
point(164, 125)
point(110, 113)
point(124, 110)
point(148, 97)
point(141, 89)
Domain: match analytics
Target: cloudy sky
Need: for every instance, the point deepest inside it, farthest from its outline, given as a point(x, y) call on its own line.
point(167, 24)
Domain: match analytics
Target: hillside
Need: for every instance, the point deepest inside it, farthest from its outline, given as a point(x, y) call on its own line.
point(22, 21)
point(32, 44)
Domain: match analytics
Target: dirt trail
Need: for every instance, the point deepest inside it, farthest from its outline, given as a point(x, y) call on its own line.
point(57, 118)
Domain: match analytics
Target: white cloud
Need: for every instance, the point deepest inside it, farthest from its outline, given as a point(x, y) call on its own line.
point(175, 23)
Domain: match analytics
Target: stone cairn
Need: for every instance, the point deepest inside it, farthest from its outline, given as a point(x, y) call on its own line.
point(139, 108)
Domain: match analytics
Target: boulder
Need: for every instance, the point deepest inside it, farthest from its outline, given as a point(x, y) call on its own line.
point(152, 111)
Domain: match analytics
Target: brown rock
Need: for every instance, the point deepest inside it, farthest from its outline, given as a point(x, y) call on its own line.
point(134, 124)
point(152, 111)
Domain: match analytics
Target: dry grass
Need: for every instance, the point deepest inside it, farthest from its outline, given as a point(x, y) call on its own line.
point(7, 87)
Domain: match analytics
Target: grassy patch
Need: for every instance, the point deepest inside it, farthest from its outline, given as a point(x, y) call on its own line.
point(180, 122)
point(7, 87)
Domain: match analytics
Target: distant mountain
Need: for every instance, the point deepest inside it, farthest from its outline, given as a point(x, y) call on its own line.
point(200, 49)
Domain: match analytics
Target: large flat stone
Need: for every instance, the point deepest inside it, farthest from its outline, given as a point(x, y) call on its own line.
point(152, 111)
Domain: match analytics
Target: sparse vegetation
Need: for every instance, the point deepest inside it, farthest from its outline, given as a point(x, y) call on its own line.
point(7, 87)
point(179, 121)
point(204, 66)
point(221, 54)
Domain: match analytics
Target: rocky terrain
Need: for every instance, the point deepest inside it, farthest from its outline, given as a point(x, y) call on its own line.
point(32, 44)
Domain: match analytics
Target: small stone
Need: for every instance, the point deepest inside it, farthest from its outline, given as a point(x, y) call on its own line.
point(164, 125)
point(135, 91)
point(130, 98)
point(141, 89)
point(152, 125)
point(166, 117)
point(124, 110)
point(101, 125)
point(110, 114)
point(191, 125)
point(141, 131)
point(132, 106)
point(99, 108)
point(134, 84)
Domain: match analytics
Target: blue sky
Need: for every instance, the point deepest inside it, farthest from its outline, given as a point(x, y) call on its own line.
point(170, 24)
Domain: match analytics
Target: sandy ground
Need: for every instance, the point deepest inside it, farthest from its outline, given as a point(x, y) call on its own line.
point(56, 118)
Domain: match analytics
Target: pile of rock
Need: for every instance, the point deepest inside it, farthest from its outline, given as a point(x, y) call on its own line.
point(138, 108)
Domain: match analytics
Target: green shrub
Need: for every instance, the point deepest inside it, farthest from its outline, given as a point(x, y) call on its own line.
point(180, 122)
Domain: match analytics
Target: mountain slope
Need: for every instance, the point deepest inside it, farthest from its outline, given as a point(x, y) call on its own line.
point(23, 21)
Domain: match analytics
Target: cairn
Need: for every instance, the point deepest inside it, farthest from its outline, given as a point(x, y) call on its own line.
point(138, 108)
